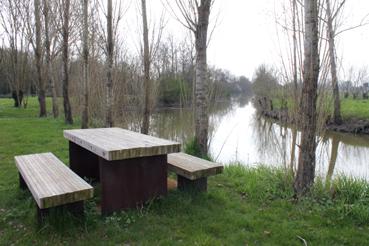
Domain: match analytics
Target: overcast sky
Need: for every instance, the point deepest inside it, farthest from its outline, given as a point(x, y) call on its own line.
point(245, 36)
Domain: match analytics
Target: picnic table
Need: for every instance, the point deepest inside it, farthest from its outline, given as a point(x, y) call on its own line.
point(131, 167)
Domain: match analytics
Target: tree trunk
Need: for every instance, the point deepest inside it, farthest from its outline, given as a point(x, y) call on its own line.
point(48, 60)
point(306, 164)
point(295, 87)
point(66, 102)
point(38, 54)
point(109, 81)
point(146, 62)
point(201, 110)
point(295, 51)
point(85, 66)
point(332, 57)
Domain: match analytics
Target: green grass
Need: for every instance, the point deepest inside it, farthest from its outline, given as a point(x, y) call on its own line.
point(355, 108)
point(192, 148)
point(350, 108)
point(252, 206)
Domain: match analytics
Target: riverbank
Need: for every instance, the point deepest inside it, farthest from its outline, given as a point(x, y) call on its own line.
point(355, 115)
point(243, 205)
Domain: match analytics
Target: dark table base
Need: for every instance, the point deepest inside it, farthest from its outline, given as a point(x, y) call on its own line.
point(124, 183)
point(83, 162)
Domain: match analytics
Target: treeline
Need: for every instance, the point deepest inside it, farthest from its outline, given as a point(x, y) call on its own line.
point(43, 51)
point(173, 76)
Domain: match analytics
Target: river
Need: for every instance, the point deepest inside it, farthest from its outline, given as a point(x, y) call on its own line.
point(238, 134)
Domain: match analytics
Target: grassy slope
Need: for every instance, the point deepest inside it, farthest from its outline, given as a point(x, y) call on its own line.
point(242, 206)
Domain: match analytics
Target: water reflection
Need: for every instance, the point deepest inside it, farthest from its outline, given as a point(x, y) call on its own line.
point(238, 134)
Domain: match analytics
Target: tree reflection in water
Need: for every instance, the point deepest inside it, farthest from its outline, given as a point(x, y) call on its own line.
point(237, 133)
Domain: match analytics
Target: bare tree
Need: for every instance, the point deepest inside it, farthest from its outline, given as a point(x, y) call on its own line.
point(38, 54)
point(146, 63)
point(49, 77)
point(196, 18)
point(149, 50)
point(306, 163)
point(85, 65)
point(332, 58)
point(65, 36)
point(109, 81)
point(12, 16)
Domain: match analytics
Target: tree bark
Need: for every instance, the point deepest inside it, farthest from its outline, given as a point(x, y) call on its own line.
point(85, 66)
point(306, 164)
point(146, 63)
point(295, 50)
point(48, 60)
point(65, 34)
point(201, 110)
point(38, 54)
point(109, 81)
point(295, 89)
point(332, 57)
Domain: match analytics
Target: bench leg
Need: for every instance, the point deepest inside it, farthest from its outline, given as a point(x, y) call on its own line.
point(22, 183)
point(76, 209)
point(185, 184)
point(42, 214)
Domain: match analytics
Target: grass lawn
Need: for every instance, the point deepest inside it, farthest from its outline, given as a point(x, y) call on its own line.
point(357, 108)
point(243, 206)
point(350, 108)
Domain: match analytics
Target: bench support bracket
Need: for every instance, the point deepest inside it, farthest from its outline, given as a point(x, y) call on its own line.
point(22, 183)
point(75, 208)
point(185, 184)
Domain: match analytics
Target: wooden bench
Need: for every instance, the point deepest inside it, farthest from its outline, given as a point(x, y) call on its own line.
point(192, 172)
point(52, 184)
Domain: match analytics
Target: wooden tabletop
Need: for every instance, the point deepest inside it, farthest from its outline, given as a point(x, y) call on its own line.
point(117, 143)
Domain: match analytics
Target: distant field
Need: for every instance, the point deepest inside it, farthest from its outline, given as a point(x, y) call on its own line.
point(244, 206)
point(357, 108)
point(350, 108)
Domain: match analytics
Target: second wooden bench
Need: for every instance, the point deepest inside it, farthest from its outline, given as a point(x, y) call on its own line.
point(192, 172)
point(52, 183)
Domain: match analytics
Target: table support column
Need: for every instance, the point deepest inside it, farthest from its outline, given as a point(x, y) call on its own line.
point(83, 162)
point(131, 182)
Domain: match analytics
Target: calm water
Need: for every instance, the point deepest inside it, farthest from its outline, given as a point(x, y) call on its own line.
point(237, 134)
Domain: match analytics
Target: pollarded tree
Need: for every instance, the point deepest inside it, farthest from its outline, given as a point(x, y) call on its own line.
point(306, 163)
point(196, 18)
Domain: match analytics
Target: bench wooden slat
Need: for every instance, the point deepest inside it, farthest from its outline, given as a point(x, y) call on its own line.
point(192, 167)
point(50, 181)
point(117, 144)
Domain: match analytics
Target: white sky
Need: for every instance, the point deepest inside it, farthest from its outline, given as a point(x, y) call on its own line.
point(245, 36)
